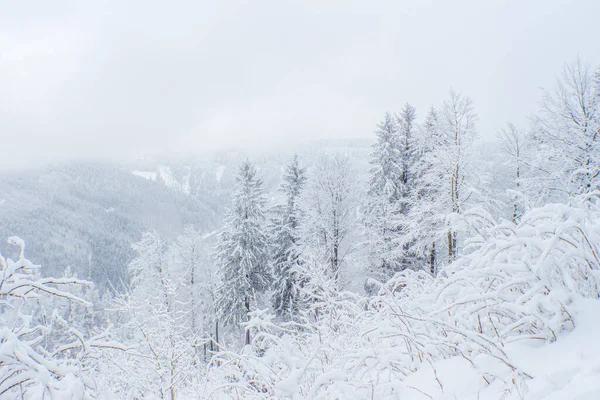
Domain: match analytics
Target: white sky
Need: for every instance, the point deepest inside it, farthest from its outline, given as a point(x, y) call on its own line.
point(116, 78)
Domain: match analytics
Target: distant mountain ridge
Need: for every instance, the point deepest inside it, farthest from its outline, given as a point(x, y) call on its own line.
point(86, 215)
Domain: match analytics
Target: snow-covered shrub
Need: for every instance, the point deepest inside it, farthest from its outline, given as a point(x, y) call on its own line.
point(521, 279)
point(33, 364)
point(517, 283)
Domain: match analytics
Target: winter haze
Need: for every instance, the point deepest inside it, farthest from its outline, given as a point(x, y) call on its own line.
point(115, 79)
point(299, 200)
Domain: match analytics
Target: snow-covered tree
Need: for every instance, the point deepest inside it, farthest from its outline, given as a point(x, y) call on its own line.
point(243, 251)
point(384, 198)
point(567, 131)
point(31, 365)
point(442, 180)
point(425, 219)
point(190, 254)
point(407, 126)
point(513, 143)
point(157, 323)
point(285, 234)
point(329, 205)
point(410, 158)
point(391, 183)
point(63, 315)
point(458, 127)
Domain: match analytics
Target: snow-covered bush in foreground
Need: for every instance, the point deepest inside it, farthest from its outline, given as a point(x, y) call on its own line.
point(518, 283)
point(29, 367)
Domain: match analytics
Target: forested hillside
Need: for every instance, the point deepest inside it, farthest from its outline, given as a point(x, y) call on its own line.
point(425, 263)
point(87, 216)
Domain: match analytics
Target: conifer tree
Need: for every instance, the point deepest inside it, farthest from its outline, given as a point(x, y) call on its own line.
point(424, 220)
point(383, 197)
point(409, 159)
point(286, 236)
point(392, 180)
point(242, 251)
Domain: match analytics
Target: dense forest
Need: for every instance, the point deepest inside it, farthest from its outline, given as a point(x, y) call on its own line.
point(420, 267)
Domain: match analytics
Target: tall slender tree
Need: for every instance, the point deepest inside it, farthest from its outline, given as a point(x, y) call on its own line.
point(441, 183)
point(512, 143)
point(383, 198)
point(285, 238)
point(459, 130)
point(196, 295)
point(424, 220)
point(243, 251)
point(330, 201)
point(157, 321)
point(409, 159)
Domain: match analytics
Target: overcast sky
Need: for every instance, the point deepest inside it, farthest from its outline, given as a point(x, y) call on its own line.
point(117, 78)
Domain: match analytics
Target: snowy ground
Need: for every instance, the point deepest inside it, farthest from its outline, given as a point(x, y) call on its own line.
point(568, 369)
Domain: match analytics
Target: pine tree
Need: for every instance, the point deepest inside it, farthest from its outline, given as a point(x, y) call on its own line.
point(407, 121)
point(425, 218)
point(286, 237)
point(392, 181)
point(409, 156)
point(242, 251)
point(384, 195)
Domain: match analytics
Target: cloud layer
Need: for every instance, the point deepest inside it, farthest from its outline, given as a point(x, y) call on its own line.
point(117, 79)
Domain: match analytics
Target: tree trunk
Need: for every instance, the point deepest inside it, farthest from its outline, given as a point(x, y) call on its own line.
point(216, 342)
point(432, 259)
point(450, 248)
point(516, 210)
point(247, 301)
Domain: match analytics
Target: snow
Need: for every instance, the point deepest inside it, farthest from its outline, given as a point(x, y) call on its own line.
point(151, 176)
point(219, 173)
point(166, 176)
point(567, 369)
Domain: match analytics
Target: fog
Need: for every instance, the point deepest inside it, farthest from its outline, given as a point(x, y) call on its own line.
point(115, 79)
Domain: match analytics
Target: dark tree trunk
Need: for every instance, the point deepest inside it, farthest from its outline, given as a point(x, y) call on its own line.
point(248, 339)
point(432, 259)
point(216, 335)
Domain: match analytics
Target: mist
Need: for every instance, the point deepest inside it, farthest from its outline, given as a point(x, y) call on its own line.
point(116, 80)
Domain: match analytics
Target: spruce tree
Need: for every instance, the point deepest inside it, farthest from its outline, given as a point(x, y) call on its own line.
point(424, 219)
point(285, 237)
point(242, 250)
point(390, 187)
point(409, 157)
point(384, 195)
